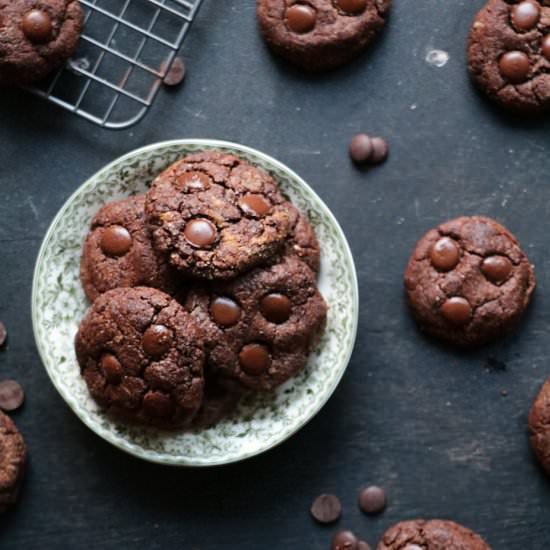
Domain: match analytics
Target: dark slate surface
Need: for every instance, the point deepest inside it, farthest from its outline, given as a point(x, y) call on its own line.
point(427, 423)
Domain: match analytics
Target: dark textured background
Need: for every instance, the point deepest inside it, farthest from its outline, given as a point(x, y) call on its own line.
point(427, 423)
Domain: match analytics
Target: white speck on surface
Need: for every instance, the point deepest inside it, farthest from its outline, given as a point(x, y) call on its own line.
point(82, 63)
point(400, 221)
point(33, 207)
point(414, 106)
point(437, 58)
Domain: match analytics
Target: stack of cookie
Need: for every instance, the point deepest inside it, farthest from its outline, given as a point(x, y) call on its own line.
point(202, 289)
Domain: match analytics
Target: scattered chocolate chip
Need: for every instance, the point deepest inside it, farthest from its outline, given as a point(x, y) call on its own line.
point(254, 359)
point(301, 18)
point(3, 334)
point(380, 150)
point(111, 367)
point(115, 240)
point(372, 500)
point(225, 311)
point(514, 66)
point(157, 404)
point(194, 181)
point(157, 340)
point(504, 393)
point(37, 26)
point(344, 540)
point(11, 395)
point(276, 308)
point(457, 311)
point(354, 7)
point(200, 233)
point(176, 72)
point(545, 46)
point(360, 148)
point(525, 15)
point(445, 254)
point(326, 508)
point(254, 205)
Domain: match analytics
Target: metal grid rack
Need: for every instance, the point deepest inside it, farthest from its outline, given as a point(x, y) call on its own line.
point(124, 53)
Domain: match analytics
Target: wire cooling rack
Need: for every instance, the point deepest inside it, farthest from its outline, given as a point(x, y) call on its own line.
point(124, 53)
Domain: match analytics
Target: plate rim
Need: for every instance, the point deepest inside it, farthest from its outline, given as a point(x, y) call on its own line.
point(131, 448)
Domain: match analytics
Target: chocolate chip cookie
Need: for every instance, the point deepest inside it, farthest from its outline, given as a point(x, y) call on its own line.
point(261, 326)
point(217, 216)
point(36, 36)
point(431, 534)
point(539, 426)
point(509, 53)
point(320, 34)
point(468, 280)
point(13, 455)
point(118, 252)
point(141, 355)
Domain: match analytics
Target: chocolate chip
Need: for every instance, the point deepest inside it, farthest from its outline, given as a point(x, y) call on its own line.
point(355, 7)
point(37, 26)
point(276, 307)
point(225, 311)
point(115, 241)
point(496, 268)
point(380, 150)
point(545, 46)
point(326, 508)
point(111, 367)
point(301, 18)
point(514, 66)
point(156, 341)
point(360, 148)
point(457, 311)
point(200, 233)
point(158, 404)
point(176, 72)
point(445, 254)
point(254, 359)
point(3, 334)
point(254, 205)
point(525, 15)
point(344, 540)
point(372, 500)
point(11, 395)
point(194, 181)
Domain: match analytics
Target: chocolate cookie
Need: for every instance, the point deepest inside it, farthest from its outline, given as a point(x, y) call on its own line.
point(509, 53)
point(217, 216)
point(141, 355)
point(539, 426)
point(431, 534)
point(468, 280)
point(320, 34)
point(13, 455)
point(36, 36)
point(118, 252)
point(261, 326)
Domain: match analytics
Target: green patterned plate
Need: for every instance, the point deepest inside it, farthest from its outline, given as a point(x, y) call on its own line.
point(260, 422)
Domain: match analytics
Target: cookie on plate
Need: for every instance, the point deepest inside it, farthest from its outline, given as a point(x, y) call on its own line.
point(320, 34)
point(261, 327)
point(216, 216)
point(509, 53)
point(13, 455)
point(141, 355)
point(36, 37)
point(468, 281)
point(539, 426)
point(118, 252)
point(431, 534)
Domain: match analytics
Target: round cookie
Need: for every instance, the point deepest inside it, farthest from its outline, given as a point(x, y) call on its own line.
point(468, 280)
point(431, 534)
point(320, 34)
point(13, 455)
point(141, 355)
point(217, 216)
point(539, 426)
point(118, 252)
point(509, 53)
point(36, 36)
point(261, 326)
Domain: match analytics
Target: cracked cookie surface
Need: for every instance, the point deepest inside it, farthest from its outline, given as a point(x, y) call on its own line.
point(36, 36)
point(141, 355)
point(217, 216)
point(539, 426)
point(13, 455)
point(260, 327)
point(509, 53)
point(320, 34)
point(468, 281)
point(431, 535)
point(118, 252)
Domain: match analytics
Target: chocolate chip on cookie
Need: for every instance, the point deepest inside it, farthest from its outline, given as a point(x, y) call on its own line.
point(509, 53)
point(539, 426)
point(118, 252)
point(141, 355)
point(320, 34)
point(36, 37)
point(468, 280)
point(13, 455)
point(216, 216)
point(433, 534)
point(261, 326)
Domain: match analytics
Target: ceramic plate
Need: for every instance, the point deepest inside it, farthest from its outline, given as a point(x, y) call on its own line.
point(260, 422)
